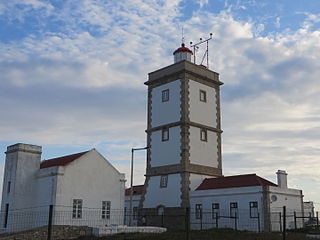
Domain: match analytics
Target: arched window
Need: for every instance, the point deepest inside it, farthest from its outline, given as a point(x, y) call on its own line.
point(160, 210)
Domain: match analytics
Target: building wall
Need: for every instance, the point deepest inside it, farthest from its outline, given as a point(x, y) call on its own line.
point(242, 196)
point(47, 185)
point(165, 152)
point(22, 163)
point(202, 112)
point(168, 197)
point(292, 199)
point(166, 112)
point(203, 152)
point(135, 204)
point(92, 179)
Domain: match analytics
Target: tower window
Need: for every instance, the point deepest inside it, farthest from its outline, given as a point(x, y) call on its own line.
point(77, 208)
point(203, 96)
point(164, 181)
point(165, 95)
point(165, 134)
point(203, 135)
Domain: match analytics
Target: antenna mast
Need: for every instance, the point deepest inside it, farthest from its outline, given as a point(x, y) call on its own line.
point(206, 53)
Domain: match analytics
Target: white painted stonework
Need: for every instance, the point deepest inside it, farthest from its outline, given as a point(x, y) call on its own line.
point(165, 152)
point(166, 112)
point(203, 152)
point(202, 112)
point(168, 197)
point(90, 178)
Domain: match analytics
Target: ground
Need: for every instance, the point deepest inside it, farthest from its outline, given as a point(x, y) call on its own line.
point(220, 234)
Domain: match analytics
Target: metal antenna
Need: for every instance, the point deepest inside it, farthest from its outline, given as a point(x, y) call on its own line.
point(206, 53)
point(182, 36)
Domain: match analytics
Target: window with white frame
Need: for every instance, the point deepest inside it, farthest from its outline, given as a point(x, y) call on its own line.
point(253, 209)
point(165, 95)
point(164, 181)
point(105, 209)
point(165, 134)
point(203, 96)
point(215, 210)
point(198, 211)
point(77, 208)
point(234, 209)
point(203, 135)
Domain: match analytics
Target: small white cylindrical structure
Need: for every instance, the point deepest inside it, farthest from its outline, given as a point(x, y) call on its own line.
point(282, 179)
point(182, 53)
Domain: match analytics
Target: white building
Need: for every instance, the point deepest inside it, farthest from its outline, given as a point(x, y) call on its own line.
point(84, 188)
point(245, 202)
point(184, 157)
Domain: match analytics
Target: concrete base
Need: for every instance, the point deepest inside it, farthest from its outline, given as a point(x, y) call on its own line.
point(104, 231)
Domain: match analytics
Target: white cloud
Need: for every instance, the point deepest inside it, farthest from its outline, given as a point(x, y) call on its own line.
point(57, 88)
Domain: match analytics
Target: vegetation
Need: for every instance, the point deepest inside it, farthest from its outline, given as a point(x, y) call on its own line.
point(212, 234)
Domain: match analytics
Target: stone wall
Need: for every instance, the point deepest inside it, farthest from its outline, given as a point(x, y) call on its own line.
point(58, 232)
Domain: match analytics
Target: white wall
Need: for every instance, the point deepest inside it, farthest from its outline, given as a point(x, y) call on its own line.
point(201, 152)
point(92, 179)
point(165, 152)
point(224, 197)
point(166, 112)
point(168, 197)
point(202, 112)
point(291, 198)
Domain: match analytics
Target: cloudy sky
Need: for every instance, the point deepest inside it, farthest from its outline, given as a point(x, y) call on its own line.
point(72, 74)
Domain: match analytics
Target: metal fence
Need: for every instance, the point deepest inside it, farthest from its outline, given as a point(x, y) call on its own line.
point(57, 221)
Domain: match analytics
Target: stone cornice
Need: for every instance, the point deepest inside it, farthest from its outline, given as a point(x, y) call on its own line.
point(184, 123)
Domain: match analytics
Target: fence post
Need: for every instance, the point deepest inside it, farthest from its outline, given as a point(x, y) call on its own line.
point(50, 222)
point(317, 214)
point(284, 223)
point(217, 224)
point(235, 221)
point(187, 218)
point(201, 219)
point(259, 222)
point(295, 219)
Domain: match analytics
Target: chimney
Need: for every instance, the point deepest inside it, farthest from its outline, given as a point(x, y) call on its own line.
point(282, 179)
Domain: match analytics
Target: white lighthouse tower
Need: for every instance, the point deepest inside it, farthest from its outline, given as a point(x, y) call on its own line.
point(184, 134)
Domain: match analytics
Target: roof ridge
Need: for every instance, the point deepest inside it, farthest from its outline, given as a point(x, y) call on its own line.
point(66, 155)
point(61, 161)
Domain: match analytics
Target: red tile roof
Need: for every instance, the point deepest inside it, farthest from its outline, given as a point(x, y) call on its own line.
point(137, 190)
point(247, 180)
point(61, 161)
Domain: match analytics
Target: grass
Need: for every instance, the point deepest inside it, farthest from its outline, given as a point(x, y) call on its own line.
point(211, 234)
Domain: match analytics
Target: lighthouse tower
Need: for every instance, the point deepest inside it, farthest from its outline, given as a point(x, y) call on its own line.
point(183, 134)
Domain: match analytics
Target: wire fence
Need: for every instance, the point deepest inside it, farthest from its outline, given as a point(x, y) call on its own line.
point(59, 222)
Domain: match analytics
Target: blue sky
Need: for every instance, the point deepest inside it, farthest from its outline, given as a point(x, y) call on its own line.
point(72, 75)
